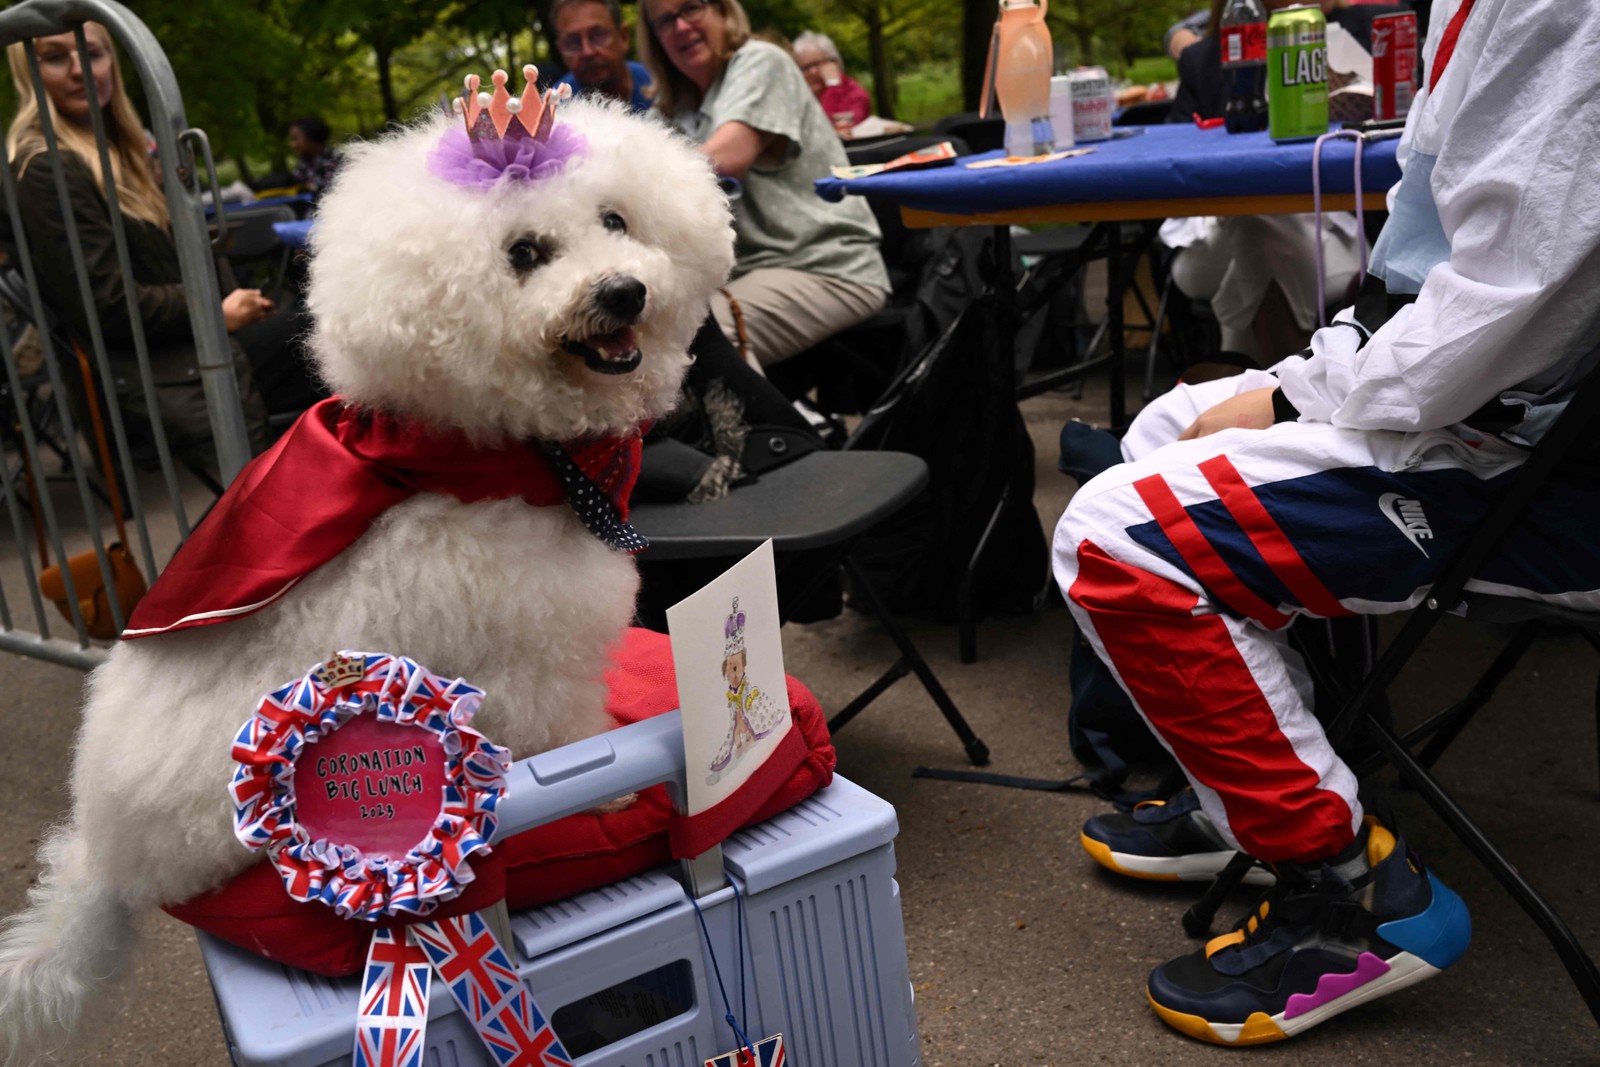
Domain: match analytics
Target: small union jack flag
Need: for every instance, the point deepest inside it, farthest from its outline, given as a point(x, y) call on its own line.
point(394, 1003)
point(480, 977)
point(768, 1052)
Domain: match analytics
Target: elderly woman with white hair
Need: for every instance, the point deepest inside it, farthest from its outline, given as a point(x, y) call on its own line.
point(840, 95)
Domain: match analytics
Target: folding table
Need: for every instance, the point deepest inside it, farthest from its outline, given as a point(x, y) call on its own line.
point(1142, 173)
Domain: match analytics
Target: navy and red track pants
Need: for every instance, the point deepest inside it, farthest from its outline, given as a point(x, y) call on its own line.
point(1185, 565)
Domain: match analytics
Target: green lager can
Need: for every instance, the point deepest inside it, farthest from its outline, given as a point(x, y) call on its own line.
point(1297, 73)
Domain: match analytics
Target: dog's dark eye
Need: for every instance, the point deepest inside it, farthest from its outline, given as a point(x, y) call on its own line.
point(524, 256)
point(614, 222)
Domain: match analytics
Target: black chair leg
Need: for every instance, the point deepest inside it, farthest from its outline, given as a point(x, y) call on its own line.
point(1577, 962)
point(910, 658)
point(1482, 691)
point(966, 607)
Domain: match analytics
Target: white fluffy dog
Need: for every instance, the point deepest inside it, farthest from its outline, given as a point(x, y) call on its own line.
point(458, 307)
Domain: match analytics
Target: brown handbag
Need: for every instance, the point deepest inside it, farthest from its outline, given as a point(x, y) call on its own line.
point(94, 603)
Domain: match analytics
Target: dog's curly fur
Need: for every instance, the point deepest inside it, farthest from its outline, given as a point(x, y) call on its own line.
point(418, 312)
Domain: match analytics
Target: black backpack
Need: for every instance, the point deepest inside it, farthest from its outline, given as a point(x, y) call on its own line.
point(954, 406)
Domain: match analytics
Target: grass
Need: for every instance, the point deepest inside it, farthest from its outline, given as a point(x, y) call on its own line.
point(1152, 69)
point(929, 92)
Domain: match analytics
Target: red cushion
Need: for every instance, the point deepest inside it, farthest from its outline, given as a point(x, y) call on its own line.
point(537, 866)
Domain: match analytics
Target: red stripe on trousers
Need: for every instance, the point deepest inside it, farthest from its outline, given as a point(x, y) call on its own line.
point(1197, 552)
point(1447, 43)
point(1190, 681)
point(1269, 539)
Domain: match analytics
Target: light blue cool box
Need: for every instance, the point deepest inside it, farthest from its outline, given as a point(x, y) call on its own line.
point(624, 969)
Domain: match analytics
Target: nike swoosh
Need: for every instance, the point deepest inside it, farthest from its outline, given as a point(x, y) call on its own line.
point(1386, 504)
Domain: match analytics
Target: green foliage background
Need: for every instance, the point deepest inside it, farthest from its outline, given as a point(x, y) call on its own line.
point(248, 67)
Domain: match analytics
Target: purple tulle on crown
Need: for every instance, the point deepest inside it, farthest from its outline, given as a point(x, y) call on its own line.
point(460, 160)
point(506, 137)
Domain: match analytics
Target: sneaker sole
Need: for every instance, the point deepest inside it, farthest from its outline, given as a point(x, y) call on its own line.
point(1400, 971)
point(1195, 867)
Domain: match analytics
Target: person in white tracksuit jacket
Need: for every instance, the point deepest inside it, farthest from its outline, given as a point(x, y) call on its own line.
point(1340, 482)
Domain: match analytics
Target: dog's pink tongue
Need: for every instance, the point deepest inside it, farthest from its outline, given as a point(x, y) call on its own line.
point(618, 344)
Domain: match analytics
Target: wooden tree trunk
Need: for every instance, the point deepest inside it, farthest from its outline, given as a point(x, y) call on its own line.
point(977, 25)
point(1083, 29)
point(882, 69)
point(385, 61)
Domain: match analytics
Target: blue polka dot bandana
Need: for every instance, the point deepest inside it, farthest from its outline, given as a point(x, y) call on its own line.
point(593, 505)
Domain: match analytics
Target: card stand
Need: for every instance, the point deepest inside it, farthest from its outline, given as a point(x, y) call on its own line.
point(625, 970)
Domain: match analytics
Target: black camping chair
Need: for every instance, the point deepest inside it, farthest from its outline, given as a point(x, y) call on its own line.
point(975, 542)
point(258, 257)
point(37, 402)
point(981, 134)
point(823, 501)
point(849, 370)
point(1364, 717)
point(34, 403)
point(41, 407)
point(1144, 113)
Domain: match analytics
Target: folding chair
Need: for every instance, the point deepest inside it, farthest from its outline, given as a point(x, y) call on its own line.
point(824, 500)
point(258, 256)
point(983, 135)
point(849, 370)
point(35, 402)
point(1364, 715)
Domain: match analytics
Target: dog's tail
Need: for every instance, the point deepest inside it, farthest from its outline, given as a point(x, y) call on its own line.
point(71, 938)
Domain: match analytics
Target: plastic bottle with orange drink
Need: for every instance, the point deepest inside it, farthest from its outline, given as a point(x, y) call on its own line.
point(1020, 63)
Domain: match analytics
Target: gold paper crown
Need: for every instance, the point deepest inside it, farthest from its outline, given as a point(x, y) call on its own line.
point(342, 670)
point(501, 116)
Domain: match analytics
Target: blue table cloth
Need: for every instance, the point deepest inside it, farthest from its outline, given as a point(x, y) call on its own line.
point(294, 234)
point(1176, 162)
point(300, 201)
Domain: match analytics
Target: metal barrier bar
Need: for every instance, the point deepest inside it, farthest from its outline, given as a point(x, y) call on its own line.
point(41, 499)
point(52, 650)
point(30, 579)
point(96, 340)
point(130, 295)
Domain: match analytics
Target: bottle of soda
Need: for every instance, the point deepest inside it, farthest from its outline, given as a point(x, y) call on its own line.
point(1244, 65)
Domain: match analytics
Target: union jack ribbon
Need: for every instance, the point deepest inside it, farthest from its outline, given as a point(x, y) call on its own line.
point(483, 982)
point(768, 1052)
point(393, 1022)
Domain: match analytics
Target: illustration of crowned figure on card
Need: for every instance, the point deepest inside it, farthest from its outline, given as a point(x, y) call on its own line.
point(729, 660)
point(752, 712)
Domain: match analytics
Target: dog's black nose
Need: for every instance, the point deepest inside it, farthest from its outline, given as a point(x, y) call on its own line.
point(621, 297)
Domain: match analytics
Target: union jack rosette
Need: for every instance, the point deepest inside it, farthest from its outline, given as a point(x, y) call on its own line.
point(390, 689)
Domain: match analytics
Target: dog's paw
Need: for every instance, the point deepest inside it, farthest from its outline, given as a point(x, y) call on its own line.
point(611, 807)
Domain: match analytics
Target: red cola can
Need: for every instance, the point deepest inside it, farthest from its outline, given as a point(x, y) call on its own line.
point(1394, 64)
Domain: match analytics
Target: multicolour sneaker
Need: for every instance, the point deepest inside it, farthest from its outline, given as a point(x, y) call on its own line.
point(1163, 841)
point(1323, 940)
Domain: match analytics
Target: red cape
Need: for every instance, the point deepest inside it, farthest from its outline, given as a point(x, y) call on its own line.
point(318, 489)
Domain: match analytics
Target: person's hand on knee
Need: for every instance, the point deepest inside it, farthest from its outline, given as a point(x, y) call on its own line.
point(1246, 411)
point(242, 307)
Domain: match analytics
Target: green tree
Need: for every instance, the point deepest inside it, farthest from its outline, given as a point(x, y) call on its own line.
point(204, 40)
point(1113, 32)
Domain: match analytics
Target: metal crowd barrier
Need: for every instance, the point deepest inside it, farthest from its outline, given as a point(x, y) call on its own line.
point(42, 439)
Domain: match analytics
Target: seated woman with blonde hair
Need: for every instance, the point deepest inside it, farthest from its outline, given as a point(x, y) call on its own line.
point(273, 374)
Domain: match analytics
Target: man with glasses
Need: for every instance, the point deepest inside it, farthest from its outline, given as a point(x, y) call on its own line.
point(593, 43)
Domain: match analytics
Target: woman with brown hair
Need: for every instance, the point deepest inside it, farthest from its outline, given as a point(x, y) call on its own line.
point(806, 269)
point(264, 359)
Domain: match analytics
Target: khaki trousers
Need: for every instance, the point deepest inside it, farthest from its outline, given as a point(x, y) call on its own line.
point(788, 311)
